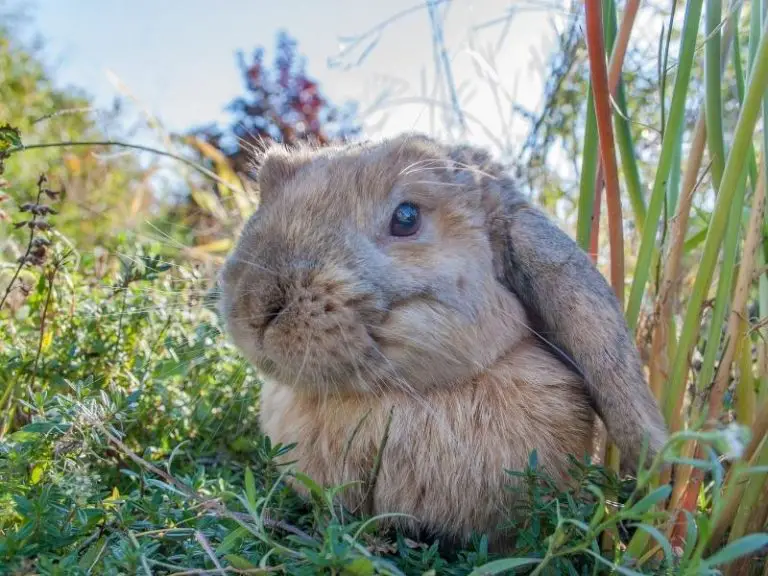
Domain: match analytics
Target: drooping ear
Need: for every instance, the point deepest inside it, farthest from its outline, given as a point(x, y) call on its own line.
point(275, 167)
point(573, 309)
point(580, 314)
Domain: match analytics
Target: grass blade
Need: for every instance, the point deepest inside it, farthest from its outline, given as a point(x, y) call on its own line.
point(504, 565)
point(743, 547)
point(587, 183)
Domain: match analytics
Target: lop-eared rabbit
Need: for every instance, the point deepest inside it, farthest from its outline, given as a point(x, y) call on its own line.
point(406, 289)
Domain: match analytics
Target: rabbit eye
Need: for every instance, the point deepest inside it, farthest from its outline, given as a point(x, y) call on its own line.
point(406, 220)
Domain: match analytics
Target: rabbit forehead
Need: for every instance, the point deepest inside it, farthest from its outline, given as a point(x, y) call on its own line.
point(358, 184)
point(348, 195)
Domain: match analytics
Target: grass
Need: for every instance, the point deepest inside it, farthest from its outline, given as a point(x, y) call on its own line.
point(129, 441)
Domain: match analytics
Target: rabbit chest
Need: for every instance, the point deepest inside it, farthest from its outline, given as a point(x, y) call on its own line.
point(443, 452)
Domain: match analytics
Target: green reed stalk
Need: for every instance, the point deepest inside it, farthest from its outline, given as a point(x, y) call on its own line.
point(629, 166)
point(674, 126)
point(623, 134)
point(729, 186)
point(730, 248)
point(724, 288)
point(713, 104)
point(589, 156)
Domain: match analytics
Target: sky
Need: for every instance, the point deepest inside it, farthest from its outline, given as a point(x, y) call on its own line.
point(177, 57)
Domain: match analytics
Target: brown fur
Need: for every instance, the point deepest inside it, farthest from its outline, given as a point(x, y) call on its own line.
point(345, 320)
point(446, 453)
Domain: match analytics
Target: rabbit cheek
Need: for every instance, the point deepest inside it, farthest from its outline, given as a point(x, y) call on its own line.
point(316, 337)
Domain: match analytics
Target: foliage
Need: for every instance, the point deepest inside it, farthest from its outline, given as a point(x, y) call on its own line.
point(137, 450)
point(107, 192)
point(282, 104)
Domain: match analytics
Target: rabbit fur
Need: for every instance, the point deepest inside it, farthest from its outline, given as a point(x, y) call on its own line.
point(459, 350)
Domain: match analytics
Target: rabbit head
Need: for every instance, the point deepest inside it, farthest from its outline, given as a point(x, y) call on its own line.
point(367, 268)
point(410, 263)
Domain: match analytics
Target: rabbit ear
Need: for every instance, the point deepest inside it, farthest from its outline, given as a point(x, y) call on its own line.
point(579, 313)
point(571, 306)
point(276, 166)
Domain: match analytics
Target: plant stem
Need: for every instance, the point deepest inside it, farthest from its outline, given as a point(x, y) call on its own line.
point(629, 165)
point(661, 338)
point(748, 506)
point(586, 208)
point(735, 485)
point(728, 187)
point(743, 283)
point(745, 385)
point(713, 105)
point(192, 164)
point(674, 125)
point(601, 91)
point(56, 267)
point(623, 131)
point(724, 289)
point(671, 272)
point(738, 306)
point(23, 259)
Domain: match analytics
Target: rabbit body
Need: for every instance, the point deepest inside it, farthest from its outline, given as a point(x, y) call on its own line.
point(406, 278)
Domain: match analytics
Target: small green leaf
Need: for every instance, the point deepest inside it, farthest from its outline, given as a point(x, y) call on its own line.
point(36, 475)
point(9, 137)
point(241, 444)
point(659, 495)
point(47, 427)
point(359, 567)
point(92, 554)
point(705, 526)
point(250, 487)
point(600, 508)
point(22, 436)
point(504, 565)
point(735, 550)
point(691, 535)
point(659, 537)
point(309, 484)
point(239, 563)
point(230, 540)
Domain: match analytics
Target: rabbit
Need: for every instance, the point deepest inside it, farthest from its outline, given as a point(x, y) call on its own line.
point(420, 329)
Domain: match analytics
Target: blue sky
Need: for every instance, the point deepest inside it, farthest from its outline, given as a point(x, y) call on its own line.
point(178, 56)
